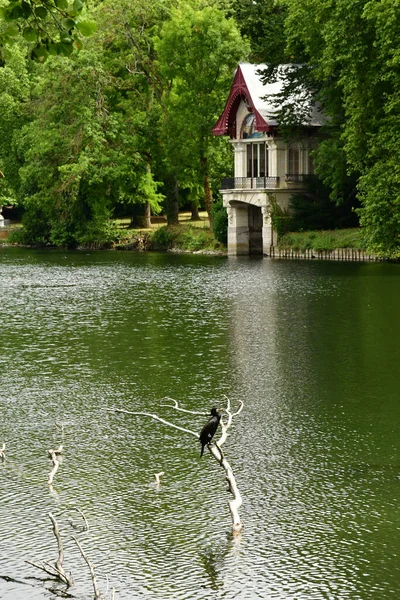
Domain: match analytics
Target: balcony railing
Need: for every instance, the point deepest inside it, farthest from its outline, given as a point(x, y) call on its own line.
point(249, 183)
point(297, 177)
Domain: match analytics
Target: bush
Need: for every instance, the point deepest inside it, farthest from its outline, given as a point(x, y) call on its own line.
point(281, 220)
point(161, 239)
point(313, 209)
point(192, 239)
point(220, 222)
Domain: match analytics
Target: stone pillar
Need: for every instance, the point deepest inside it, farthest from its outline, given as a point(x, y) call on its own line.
point(240, 159)
point(238, 230)
point(267, 231)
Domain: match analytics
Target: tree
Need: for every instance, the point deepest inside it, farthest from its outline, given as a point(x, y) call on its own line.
point(14, 113)
point(49, 27)
point(262, 22)
point(81, 154)
point(198, 50)
point(126, 32)
point(357, 82)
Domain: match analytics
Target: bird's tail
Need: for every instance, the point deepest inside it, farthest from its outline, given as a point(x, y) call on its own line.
point(202, 450)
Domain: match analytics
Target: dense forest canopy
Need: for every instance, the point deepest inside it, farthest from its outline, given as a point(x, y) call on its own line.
point(108, 108)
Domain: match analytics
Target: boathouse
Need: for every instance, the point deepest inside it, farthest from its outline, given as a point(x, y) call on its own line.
point(267, 167)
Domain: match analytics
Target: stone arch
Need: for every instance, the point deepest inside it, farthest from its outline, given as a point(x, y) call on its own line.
point(249, 227)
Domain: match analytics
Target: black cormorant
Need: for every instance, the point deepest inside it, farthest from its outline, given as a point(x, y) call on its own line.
point(209, 429)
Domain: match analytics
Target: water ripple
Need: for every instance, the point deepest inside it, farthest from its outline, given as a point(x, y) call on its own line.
point(315, 452)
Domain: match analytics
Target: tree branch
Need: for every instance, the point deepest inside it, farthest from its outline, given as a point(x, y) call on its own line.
point(152, 416)
point(57, 570)
point(216, 451)
point(214, 448)
point(184, 410)
point(91, 568)
point(53, 455)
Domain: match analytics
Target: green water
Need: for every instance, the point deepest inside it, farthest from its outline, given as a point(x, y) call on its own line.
point(312, 348)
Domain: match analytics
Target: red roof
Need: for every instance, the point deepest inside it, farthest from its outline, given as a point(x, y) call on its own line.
point(239, 91)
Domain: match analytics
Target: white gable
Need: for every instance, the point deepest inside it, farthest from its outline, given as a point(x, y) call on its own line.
point(259, 93)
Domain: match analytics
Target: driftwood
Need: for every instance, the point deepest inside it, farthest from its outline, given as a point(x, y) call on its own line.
point(57, 570)
point(97, 593)
point(91, 568)
point(81, 528)
point(53, 455)
point(158, 477)
point(217, 453)
point(214, 448)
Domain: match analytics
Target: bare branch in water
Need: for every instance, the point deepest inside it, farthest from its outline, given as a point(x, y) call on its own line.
point(54, 457)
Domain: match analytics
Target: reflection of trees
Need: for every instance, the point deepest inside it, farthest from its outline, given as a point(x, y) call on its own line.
point(317, 336)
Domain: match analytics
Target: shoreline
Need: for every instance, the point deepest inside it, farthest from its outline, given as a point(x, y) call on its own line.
point(276, 253)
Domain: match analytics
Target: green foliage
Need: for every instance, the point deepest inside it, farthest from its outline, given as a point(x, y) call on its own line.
point(80, 154)
point(263, 24)
point(313, 209)
point(380, 195)
point(162, 239)
point(193, 239)
point(182, 237)
point(357, 82)
point(197, 52)
point(49, 27)
point(280, 218)
point(14, 112)
point(220, 222)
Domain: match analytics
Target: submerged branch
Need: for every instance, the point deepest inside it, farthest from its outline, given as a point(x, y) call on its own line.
point(91, 568)
point(184, 410)
point(152, 416)
point(53, 455)
point(214, 448)
point(158, 477)
point(57, 570)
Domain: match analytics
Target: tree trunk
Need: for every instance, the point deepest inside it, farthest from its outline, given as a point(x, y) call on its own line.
point(195, 212)
point(173, 204)
point(147, 216)
point(207, 189)
point(143, 219)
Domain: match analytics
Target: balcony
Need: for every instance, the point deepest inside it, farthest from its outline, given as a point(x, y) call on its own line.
point(298, 178)
point(250, 183)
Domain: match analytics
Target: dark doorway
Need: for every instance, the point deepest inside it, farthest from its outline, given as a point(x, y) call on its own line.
point(255, 230)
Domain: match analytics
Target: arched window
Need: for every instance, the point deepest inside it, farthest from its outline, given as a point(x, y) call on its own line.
point(248, 126)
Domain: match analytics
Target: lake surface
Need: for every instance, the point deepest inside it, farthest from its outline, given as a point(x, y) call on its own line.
point(312, 348)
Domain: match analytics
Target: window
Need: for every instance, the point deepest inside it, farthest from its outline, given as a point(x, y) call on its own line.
point(249, 128)
point(293, 161)
point(257, 160)
point(311, 169)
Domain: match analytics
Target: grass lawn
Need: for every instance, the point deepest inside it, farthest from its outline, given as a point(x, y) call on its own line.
point(323, 240)
point(184, 219)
